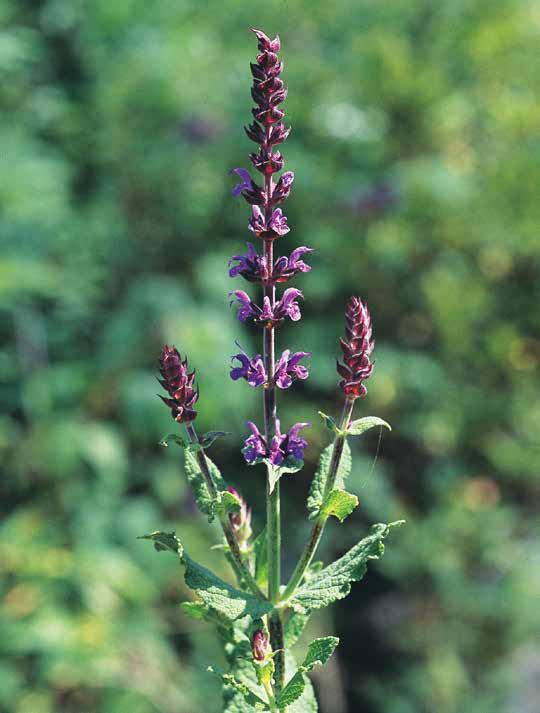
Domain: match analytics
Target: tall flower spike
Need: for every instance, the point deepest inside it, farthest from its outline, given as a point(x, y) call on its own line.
point(178, 383)
point(267, 130)
point(357, 348)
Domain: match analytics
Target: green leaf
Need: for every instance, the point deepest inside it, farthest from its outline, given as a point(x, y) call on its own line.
point(173, 438)
point(248, 695)
point(334, 581)
point(319, 651)
point(208, 438)
point(206, 503)
point(220, 596)
point(164, 541)
point(224, 598)
point(260, 551)
point(291, 465)
point(228, 502)
point(316, 491)
point(356, 428)
point(195, 610)
point(339, 503)
point(329, 422)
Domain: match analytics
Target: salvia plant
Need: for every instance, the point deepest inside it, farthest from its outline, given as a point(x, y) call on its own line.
point(260, 618)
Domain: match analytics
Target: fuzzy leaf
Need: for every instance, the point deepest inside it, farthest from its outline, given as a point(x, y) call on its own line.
point(334, 582)
point(228, 502)
point(205, 502)
point(319, 651)
point(247, 694)
point(164, 541)
point(208, 438)
point(224, 598)
point(220, 596)
point(316, 491)
point(339, 503)
point(356, 428)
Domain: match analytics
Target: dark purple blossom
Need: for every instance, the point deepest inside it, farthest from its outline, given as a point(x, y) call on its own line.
point(270, 314)
point(273, 228)
point(251, 191)
point(179, 384)
point(357, 348)
point(283, 447)
point(260, 646)
point(288, 368)
point(253, 268)
point(282, 188)
point(252, 370)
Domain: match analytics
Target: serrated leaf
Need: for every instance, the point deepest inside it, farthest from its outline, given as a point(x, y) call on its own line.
point(217, 594)
point(251, 698)
point(205, 502)
point(195, 610)
point(334, 581)
point(173, 438)
point(316, 491)
point(228, 502)
point(164, 541)
point(319, 651)
point(356, 428)
point(329, 422)
point(339, 503)
point(260, 551)
point(208, 438)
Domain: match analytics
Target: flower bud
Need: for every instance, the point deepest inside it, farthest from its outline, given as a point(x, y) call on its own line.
point(260, 645)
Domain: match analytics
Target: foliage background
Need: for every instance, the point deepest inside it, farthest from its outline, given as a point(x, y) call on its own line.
point(416, 150)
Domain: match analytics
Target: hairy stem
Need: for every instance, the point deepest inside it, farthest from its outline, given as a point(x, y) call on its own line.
point(318, 527)
point(240, 567)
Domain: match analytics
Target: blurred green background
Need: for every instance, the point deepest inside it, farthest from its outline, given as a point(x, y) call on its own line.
point(416, 150)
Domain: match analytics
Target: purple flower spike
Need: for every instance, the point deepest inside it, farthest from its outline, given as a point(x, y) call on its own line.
point(252, 370)
point(357, 348)
point(287, 369)
point(179, 384)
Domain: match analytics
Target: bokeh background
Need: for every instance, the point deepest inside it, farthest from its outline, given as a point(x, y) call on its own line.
point(416, 150)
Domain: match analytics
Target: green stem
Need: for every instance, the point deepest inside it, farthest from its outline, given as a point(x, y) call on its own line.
point(240, 567)
point(318, 527)
point(271, 698)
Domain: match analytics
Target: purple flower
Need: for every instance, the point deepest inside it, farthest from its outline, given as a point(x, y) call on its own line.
point(295, 446)
point(251, 266)
point(251, 191)
point(287, 305)
point(265, 43)
point(247, 308)
point(269, 314)
point(282, 188)
point(282, 448)
point(254, 446)
point(179, 384)
point(252, 370)
point(288, 368)
point(278, 223)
